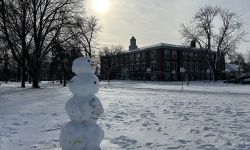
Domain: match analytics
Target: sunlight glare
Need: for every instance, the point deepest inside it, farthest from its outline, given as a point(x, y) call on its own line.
point(101, 6)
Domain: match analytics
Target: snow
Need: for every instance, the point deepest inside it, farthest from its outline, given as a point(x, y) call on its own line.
point(138, 115)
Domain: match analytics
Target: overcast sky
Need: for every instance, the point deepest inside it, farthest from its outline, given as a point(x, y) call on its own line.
point(157, 21)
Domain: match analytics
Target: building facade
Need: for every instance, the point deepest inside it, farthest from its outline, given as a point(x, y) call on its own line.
point(161, 62)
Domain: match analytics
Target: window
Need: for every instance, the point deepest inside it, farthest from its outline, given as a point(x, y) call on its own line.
point(184, 54)
point(174, 66)
point(131, 67)
point(166, 53)
point(196, 67)
point(174, 54)
point(137, 57)
point(166, 65)
point(120, 59)
point(153, 54)
point(44, 68)
point(153, 65)
point(192, 54)
point(137, 67)
point(195, 54)
point(127, 67)
point(143, 67)
point(142, 56)
point(132, 58)
point(125, 58)
point(191, 66)
point(185, 64)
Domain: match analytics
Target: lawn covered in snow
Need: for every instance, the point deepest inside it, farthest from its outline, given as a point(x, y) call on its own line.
point(138, 115)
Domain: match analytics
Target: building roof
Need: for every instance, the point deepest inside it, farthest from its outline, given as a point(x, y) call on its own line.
point(161, 45)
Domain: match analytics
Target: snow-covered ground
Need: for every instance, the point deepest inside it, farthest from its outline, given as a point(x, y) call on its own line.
point(138, 115)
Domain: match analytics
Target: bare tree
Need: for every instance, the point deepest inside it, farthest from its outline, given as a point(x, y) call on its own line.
point(84, 31)
point(48, 17)
point(215, 38)
point(15, 27)
point(108, 56)
point(236, 58)
point(4, 62)
point(248, 57)
point(31, 27)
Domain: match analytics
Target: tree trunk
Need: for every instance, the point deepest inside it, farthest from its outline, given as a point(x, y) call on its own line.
point(61, 80)
point(214, 75)
point(6, 79)
point(29, 78)
point(64, 79)
point(35, 79)
point(64, 82)
point(35, 82)
point(23, 78)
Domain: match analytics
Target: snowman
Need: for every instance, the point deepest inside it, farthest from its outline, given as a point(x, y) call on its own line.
point(84, 108)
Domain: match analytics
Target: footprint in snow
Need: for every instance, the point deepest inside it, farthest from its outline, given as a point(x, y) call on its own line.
point(16, 124)
point(124, 141)
point(148, 144)
point(54, 114)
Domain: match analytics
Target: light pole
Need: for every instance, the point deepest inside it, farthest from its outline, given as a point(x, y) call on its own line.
point(182, 70)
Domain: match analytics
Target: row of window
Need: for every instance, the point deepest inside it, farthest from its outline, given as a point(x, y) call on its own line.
point(137, 67)
point(166, 54)
point(167, 66)
point(153, 56)
point(137, 57)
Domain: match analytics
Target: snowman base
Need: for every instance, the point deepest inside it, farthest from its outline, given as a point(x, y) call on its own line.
point(81, 136)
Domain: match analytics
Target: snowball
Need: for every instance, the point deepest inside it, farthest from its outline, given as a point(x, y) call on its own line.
point(81, 136)
point(84, 85)
point(83, 65)
point(84, 108)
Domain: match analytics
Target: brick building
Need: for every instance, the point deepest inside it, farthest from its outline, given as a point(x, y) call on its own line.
point(161, 62)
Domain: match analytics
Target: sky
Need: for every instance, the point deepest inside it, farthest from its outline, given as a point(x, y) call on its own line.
point(156, 21)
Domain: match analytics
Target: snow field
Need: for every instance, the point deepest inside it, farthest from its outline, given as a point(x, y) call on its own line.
point(138, 115)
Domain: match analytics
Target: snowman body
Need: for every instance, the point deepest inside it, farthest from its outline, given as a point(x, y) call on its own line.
point(84, 108)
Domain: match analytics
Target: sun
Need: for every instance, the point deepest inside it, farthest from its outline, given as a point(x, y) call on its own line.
point(101, 6)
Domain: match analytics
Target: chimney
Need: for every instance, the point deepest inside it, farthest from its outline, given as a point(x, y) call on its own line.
point(132, 45)
point(193, 43)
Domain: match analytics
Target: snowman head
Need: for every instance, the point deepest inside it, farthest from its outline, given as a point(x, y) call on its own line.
point(84, 65)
